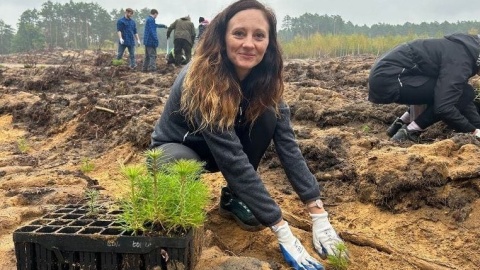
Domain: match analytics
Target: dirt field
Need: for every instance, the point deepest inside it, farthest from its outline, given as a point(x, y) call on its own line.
point(397, 206)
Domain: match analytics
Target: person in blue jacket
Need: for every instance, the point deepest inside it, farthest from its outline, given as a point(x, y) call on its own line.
point(150, 40)
point(225, 108)
point(127, 34)
point(434, 72)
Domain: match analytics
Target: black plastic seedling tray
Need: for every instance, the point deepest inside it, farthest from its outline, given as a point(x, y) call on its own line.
point(70, 239)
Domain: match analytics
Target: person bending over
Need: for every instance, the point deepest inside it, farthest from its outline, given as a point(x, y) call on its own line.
point(224, 108)
point(431, 72)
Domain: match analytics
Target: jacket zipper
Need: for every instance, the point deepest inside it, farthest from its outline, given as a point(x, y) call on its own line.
point(185, 136)
point(240, 114)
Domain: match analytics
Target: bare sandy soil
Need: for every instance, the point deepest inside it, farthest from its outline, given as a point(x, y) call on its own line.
point(397, 206)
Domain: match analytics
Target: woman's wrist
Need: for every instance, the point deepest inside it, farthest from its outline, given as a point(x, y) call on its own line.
point(315, 207)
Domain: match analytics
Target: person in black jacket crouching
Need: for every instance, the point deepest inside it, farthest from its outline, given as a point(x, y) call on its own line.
point(433, 73)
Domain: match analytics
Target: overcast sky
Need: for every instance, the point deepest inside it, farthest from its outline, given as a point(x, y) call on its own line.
point(356, 11)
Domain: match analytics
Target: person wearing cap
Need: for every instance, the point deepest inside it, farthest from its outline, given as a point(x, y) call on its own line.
point(433, 72)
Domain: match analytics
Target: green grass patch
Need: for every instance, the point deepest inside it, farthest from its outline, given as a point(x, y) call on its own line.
point(23, 145)
point(87, 165)
point(366, 128)
point(118, 62)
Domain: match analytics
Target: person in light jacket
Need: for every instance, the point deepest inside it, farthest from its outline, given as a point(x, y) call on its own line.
point(225, 108)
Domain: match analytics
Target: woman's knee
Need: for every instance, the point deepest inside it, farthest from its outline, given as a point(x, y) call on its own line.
point(176, 151)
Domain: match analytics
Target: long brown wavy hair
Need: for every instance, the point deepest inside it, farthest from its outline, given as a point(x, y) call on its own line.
point(212, 90)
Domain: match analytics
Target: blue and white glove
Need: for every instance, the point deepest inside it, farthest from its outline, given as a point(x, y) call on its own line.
point(122, 41)
point(325, 239)
point(293, 251)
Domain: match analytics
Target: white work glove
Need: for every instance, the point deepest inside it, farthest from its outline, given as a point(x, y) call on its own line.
point(122, 41)
point(139, 43)
point(476, 133)
point(325, 239)
point(293, 251)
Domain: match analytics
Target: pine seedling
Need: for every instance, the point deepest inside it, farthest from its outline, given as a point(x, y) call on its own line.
point(190, 195)
point(166, 196)
point(154, 164)
point(92, 196)
point(154, 160)
point(133, 215)
point(339, 261)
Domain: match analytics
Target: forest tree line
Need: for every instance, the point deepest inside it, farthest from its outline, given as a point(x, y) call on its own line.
point(310, 24)
point(80, 25)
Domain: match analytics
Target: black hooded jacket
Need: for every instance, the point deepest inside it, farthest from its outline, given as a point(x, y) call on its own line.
point(452, 60)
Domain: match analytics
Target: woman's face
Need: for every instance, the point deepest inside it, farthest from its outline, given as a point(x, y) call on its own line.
point(247, 40)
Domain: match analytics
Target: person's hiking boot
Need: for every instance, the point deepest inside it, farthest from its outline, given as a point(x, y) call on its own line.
point(233, 207)
point(394, 127)
point(403, 134)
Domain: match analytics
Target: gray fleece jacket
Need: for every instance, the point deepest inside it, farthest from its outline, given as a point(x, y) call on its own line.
point(233, 163)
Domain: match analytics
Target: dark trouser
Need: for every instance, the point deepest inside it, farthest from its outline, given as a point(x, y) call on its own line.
point(150, 61)
point(255, 142)
point(131, 52)
point(182, 46)
point(424, 94)
point(418, 95)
